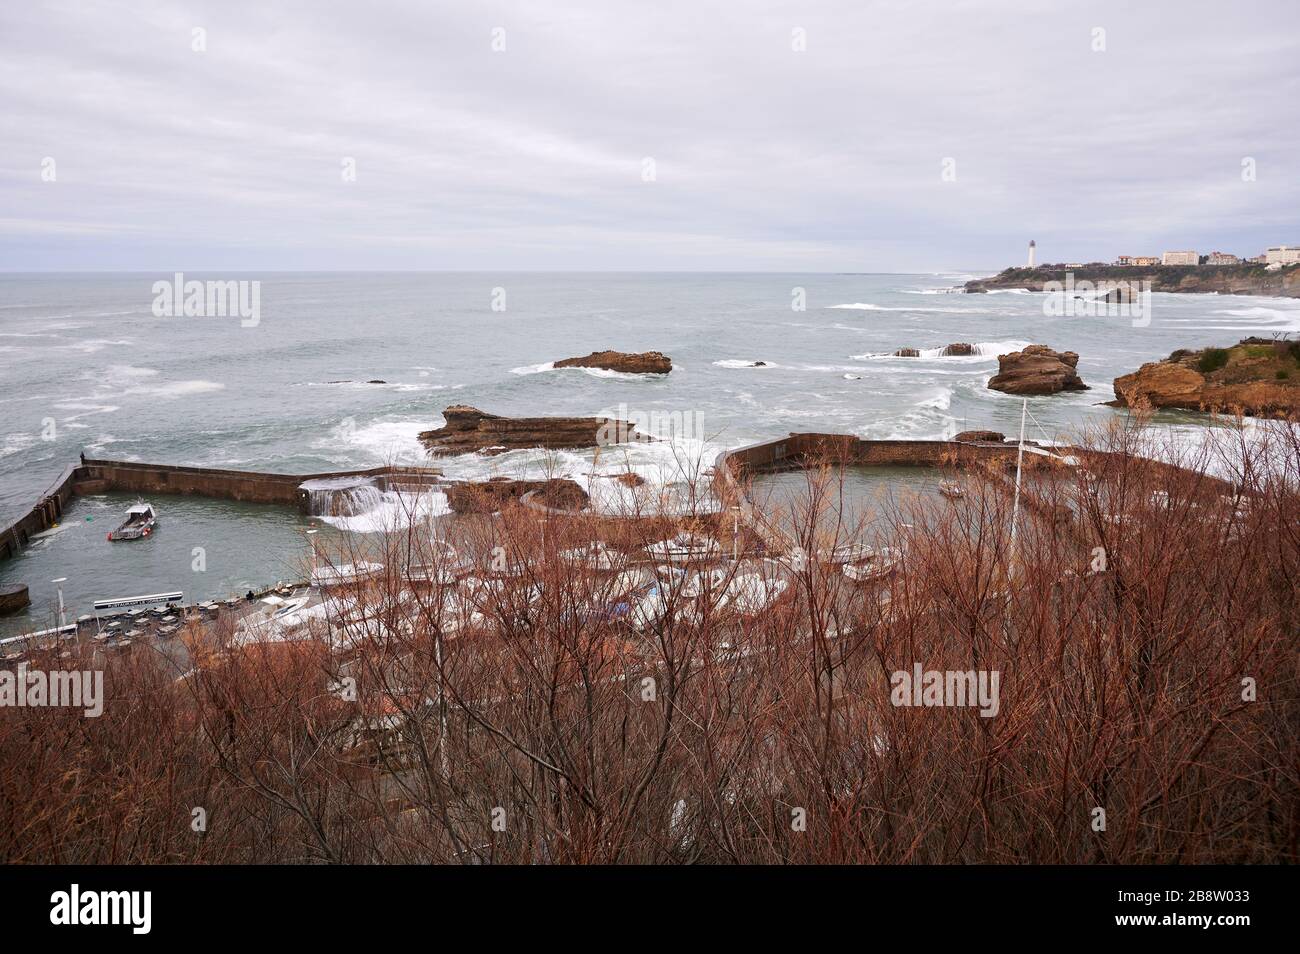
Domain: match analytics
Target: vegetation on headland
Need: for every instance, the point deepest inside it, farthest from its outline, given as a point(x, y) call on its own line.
point(1256, 376)
point(1245, 279)
point(1142, 624)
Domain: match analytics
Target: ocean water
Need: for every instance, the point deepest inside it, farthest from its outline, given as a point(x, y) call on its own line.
point(85, 365)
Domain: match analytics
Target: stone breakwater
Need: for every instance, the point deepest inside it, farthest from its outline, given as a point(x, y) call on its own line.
point(105, 476)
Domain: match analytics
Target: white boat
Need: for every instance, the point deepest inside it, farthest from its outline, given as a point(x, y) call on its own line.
point(704, 582)
point(650, 609)
point(877, 568)
point(951, 489)
point(750, 594)
point(847, 553)
point(595, 556)
point(345, 573)
point(446, 566)
point(686, 546)
point(140, 522)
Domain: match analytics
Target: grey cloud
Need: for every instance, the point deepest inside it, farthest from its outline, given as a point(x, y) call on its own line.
point(531, 158)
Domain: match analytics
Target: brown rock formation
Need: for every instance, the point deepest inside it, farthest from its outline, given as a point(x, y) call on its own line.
point(1255, 377)
point(647, 362)
point(976, 437)
point(491, 495)
point(955, 350)
point(1037, 370)
point(469, 430)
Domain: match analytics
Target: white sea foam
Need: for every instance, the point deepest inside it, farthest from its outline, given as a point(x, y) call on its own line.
point(86, 409)
point(124, 379)
point(863, 306)
point(393, 511)
point(984, 351)
point(744, 363)
point(15, 443)
point(592, 372)
point(941, 400)
point(93, 345)
point(380, 442)
point(397, 386)
point(1263, 318)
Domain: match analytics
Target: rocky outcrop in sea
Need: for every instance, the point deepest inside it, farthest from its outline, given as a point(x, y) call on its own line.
point(1037, 370)
point(468, 430)
point(646, 362)
point(1257, 376)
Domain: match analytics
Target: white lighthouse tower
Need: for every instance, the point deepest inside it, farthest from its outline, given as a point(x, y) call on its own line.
point(1032, 248)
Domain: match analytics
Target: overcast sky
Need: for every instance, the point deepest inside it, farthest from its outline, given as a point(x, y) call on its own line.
point(766, 157)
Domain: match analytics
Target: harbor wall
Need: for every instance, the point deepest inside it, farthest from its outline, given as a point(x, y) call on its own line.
point(108, 476)
point(797, 450)
point(47, 512)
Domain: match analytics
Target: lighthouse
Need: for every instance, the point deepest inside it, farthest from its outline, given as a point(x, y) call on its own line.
point(1031, 254)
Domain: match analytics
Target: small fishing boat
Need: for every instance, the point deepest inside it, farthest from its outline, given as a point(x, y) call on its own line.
point(847, 553)
point(594, 556)
point(751, 593)
point(650, 609)
point(686, 546)
point(705, 582)
point(951, 489)
point(445, 567)
point(140, 522)
point(345, 573)
point(877, 568)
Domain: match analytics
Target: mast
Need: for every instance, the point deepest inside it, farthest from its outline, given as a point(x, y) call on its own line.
point(1020, 457)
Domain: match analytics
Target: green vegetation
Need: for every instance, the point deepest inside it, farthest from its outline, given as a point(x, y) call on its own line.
point(1212, 359)
point(1282, 374)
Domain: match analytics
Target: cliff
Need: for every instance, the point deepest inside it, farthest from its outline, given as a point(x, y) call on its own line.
point(1258, 376)
point(1223, 279)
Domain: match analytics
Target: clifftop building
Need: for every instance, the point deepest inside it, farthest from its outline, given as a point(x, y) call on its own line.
point(1180, 258)
point(1221, 258)
point(1032, 248)
point(1283, 255)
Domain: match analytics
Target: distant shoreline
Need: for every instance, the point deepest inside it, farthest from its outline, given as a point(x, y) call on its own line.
point(1183, 279)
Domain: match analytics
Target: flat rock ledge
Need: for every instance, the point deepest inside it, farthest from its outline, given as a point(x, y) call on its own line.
point(646, 362)
point(469, 430)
